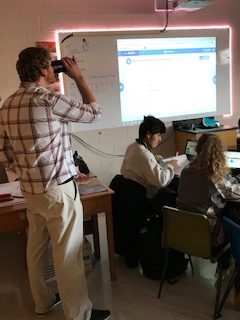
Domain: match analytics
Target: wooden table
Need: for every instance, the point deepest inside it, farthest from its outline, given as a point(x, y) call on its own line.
point(94, 204)
point(228, 135)
point(13, 218)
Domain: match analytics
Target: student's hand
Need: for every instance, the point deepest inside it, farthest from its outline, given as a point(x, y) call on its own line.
point(72, 68)
point(158, 157)
point(174, 163)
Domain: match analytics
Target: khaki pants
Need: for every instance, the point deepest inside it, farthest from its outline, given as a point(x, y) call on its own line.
point(58, 216)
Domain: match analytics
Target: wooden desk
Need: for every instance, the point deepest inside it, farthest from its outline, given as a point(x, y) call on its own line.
point(227, 134)
point(13, 218)
point(94, 204)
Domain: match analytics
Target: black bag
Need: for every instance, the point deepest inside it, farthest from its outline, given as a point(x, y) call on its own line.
point(129, 207)
point(80, 163)
point(232, 211)
point(152, 255)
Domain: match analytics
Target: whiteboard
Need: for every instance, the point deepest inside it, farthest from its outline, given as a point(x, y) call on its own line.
point(96, 54)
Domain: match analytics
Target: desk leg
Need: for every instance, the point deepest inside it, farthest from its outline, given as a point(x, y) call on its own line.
point(23, 236)
point(110, 239)
point(96, 236)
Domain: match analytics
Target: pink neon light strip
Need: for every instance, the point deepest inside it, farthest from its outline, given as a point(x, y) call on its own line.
point(57, 40)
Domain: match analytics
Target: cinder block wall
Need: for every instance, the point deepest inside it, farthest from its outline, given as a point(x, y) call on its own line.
point(24, 22)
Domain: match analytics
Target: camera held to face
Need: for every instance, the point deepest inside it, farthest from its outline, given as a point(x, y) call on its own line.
point(58, 66)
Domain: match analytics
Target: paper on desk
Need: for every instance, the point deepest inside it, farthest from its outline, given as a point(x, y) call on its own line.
point(14, 189)
point(86, 189)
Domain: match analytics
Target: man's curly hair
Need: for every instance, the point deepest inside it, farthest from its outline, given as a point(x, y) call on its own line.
point(31, 62)
point(211, 157)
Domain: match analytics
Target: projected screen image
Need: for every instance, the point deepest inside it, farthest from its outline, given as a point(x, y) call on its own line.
point(167, 77)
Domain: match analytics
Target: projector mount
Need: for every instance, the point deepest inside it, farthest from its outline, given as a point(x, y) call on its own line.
point(181, 5)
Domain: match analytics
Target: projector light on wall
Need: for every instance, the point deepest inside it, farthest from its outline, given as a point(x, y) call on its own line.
point(181, 5)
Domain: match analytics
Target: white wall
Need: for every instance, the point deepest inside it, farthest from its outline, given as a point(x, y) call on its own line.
point(24, 22)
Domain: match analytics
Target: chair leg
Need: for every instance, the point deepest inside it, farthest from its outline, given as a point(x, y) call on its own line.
point(163, 274)
point(218, 291)
point(191, 264)
point(227, 291)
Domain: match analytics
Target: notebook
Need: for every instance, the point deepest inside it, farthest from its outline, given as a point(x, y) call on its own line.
point(190, 149)
point(182, 163)
point(89, 189)
point(233, 159)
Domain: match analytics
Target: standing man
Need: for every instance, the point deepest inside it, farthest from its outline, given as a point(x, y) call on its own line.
point(35, 141)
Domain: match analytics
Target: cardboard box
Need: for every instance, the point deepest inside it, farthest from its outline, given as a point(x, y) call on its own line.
point(87, 255)
point(87, 260)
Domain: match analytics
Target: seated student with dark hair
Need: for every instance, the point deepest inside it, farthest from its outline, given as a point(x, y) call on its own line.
point(137, 189)
point(142, 166)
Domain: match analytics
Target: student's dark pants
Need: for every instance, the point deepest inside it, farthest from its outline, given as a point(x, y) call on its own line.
point(166, 196)
point(130, 210)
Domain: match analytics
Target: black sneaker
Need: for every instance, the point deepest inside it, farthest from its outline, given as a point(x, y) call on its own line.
point(100, 314)
point(54, 305)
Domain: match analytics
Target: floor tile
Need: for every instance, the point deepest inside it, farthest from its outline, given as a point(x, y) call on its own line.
point(131, 297)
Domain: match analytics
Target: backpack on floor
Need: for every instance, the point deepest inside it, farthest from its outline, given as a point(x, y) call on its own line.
point(152, 255)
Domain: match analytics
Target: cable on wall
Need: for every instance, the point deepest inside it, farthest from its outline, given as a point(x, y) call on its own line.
point(106, 154)
point(93, 149)
point(167, 18)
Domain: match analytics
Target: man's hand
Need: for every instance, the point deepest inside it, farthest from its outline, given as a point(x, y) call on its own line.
point(72, 68)
point(74, 72)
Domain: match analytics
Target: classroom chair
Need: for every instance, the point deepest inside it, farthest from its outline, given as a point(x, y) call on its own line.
point(233, 231)
point(189, 232)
